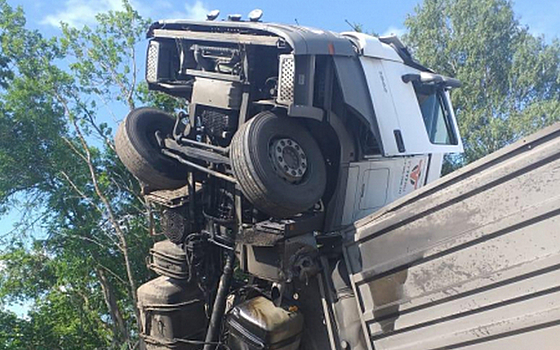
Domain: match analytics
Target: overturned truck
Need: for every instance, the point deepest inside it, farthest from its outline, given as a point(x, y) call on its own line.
point(289, 135)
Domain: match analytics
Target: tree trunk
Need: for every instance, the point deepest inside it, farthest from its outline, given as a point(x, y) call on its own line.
point(119, 328)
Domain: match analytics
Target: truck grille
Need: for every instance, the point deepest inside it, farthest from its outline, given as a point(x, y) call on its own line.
point(286, 79)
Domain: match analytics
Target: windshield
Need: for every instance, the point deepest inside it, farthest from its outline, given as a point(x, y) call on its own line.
point(436, 116)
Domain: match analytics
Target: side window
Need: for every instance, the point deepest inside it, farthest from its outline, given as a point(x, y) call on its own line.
point(436, 116)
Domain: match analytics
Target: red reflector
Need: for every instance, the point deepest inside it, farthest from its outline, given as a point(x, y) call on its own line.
point(331, 49)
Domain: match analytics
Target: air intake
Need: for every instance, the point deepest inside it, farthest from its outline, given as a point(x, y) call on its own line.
point(286, 80)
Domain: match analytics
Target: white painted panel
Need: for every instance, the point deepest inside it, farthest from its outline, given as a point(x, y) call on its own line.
point(374, 188)
point(435, 165)
point(387, 119)
point(546, 338)
point(376, 182)
point(351, 193)
point(477, 326)
point(396, 108)
point(408, 111)
point(373, 47)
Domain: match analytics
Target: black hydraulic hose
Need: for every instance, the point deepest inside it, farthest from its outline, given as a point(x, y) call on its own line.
point(218, 310)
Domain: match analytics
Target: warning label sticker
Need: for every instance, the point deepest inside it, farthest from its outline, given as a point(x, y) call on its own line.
point(412, 175)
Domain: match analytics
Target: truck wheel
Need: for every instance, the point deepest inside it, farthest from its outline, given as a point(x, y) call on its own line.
point(278, 165)
point(137, 147)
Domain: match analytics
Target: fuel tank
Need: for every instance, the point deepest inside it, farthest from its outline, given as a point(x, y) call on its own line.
point(169, 259)
point(258, 324)
point(172, 314)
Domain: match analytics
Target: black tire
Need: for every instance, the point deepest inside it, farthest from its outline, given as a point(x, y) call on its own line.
point(258, 176)
point(137, 148)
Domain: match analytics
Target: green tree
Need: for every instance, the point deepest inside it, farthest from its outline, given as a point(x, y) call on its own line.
point(511, 84)
point(58, 157)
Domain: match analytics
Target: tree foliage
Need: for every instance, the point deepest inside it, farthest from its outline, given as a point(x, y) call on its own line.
point(511, 84)
point(57, 160)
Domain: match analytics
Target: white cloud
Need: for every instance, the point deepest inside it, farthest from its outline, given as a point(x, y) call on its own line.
point(394, 31)
point(81, 12)
point(197, 11)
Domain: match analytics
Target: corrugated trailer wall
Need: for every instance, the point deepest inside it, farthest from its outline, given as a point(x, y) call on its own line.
point(471, 261)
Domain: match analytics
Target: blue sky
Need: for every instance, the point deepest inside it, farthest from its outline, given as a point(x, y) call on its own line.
point(376, 15)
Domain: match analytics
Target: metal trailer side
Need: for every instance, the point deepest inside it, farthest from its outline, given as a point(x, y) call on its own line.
point(471, 261)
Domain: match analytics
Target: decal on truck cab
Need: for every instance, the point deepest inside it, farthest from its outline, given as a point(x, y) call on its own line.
point(416, 174)
point(412, 175)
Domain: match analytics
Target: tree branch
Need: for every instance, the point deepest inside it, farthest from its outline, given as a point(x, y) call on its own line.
point(108, 206)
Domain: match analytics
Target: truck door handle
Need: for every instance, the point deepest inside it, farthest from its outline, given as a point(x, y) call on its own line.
point(399, 140)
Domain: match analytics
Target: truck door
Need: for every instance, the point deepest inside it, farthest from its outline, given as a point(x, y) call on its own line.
point(412, 118)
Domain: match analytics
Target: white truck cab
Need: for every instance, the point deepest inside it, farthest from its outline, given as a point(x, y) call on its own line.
point(358, 123)
point(355, 121)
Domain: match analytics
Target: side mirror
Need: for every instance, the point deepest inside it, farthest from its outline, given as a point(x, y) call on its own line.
point(431, 79)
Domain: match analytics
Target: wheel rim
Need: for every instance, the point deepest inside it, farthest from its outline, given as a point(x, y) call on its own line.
point(288, 159)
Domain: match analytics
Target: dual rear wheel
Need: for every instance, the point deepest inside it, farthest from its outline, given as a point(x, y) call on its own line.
point(277, 163)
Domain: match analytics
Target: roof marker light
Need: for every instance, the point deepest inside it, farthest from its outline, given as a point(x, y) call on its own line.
point(234, 17)
point(255, 15)
point(212, 15)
